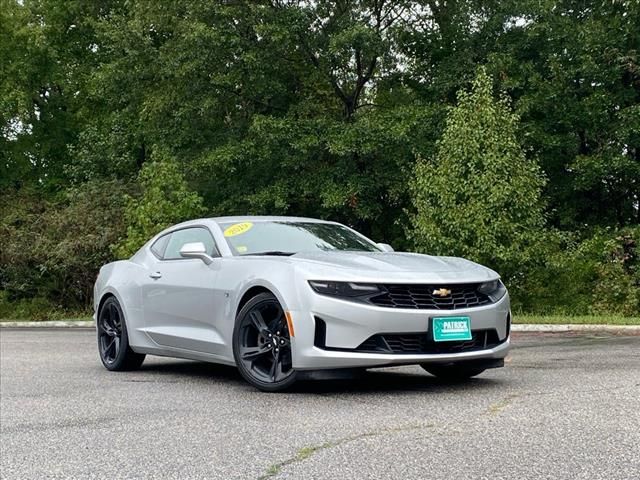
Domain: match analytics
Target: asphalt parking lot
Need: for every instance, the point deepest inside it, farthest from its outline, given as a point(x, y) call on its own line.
point(566, 406)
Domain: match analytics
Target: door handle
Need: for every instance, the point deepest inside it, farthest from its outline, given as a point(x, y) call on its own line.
point(155, 275)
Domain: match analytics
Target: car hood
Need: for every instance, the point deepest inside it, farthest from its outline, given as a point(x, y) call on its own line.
point(393, 266)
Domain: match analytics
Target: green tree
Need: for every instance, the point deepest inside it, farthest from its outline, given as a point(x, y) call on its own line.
point(341, 141)
point(479, 197)
point(321, 109)
point(48, 48)
point(165, 199)
point(572, 68)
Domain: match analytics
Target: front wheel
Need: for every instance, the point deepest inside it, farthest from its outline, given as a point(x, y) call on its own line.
point(113, 340)
point(262, 344)
point(454, 373)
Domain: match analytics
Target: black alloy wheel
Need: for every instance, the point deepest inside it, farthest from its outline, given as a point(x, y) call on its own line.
point(113, 340)
point(262, 344)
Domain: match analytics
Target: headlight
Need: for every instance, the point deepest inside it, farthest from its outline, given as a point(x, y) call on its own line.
point(494, 289)
point(343, 289)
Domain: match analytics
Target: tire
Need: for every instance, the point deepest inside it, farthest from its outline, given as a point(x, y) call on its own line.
point(113, 340)
point(454, 373)
point(262, 344)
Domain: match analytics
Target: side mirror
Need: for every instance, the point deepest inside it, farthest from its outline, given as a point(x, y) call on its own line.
point(196, 250)
point(385, 247)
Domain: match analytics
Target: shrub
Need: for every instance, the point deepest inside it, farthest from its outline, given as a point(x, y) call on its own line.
point(596, 274)
point(52, 250)
point(617, 288)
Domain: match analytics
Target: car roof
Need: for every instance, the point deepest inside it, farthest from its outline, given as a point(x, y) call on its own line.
point(199, 222)
point(266, 218)
point(238, 219)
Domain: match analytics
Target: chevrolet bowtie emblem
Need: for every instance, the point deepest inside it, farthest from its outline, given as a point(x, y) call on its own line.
point(442, 292)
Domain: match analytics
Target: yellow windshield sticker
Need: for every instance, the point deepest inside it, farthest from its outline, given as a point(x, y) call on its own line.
point(237, 229)
point(241, 248)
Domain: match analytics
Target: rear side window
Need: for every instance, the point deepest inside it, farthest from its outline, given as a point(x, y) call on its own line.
point(160, 245)
point(179, 238)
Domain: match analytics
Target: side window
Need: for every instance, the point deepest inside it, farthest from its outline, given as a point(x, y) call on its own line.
point(189, 235)
point(160, 245)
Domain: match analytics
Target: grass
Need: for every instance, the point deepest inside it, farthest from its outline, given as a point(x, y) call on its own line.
point(81, 317)
point(517, 318)
point(24, 312)
point(40, 309)
point(576, 319)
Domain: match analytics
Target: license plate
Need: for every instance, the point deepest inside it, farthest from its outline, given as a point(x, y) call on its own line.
point(449, 329)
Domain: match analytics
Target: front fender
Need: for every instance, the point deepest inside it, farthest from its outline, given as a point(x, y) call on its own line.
point(259, 283)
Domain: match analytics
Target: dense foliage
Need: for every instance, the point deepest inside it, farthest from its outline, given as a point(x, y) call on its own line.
point(119, 117)
point(165, 200)
point(479, 196)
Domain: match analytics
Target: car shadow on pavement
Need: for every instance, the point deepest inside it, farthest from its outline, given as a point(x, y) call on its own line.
point(362, 382)
point(192, 370)
point(376, 382)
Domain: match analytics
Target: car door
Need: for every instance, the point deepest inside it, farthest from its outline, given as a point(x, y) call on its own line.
point(182, 308)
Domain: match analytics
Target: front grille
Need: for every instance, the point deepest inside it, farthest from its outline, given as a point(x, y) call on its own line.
point(423, 297)
point(421, 343)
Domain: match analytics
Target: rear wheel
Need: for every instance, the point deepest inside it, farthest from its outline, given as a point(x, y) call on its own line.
point(452, 372)
point(113, 340)
point(262, 344)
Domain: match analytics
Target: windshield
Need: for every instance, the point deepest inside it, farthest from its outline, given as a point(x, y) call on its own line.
point(252, 238)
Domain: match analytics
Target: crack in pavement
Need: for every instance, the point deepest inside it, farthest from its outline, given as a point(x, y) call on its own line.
point(104, 421)
point(578, 390)
point(497, 407)
point(306, 452)
point(494, 409)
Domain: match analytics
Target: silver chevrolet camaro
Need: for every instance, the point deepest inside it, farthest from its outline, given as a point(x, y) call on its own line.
point(285, 298)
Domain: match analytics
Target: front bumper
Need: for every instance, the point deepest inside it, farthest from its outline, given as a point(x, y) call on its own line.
point(349, 324)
